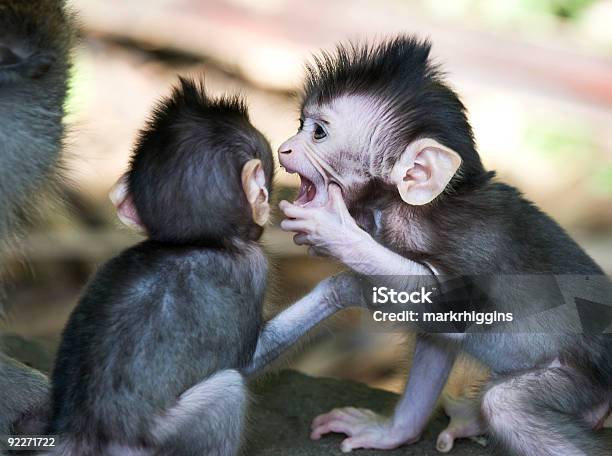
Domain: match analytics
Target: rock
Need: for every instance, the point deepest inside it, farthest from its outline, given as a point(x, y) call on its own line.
point(283, 406)
point(285, 403)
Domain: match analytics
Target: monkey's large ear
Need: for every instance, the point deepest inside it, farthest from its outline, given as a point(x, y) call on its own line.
point(424, 170)
point(124, 205)
point(254, 186)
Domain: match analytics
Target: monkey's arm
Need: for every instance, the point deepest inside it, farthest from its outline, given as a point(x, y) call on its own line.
point(431, 366)
point(281, 332)
point(364, 255)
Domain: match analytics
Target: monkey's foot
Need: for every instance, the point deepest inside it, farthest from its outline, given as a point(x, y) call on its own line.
point(364, 428)
point(465, 421)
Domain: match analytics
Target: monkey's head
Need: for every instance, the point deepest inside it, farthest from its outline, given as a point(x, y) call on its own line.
point(35, 36)
point(380, 114)
point(200, 172)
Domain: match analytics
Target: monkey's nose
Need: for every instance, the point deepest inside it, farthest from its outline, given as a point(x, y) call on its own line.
point(288, 151)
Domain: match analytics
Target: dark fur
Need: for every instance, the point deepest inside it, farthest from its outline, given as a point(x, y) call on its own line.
point(478, 226)
point(399, 73)
point(214, 138)
point(35, 41)
point(170, 312)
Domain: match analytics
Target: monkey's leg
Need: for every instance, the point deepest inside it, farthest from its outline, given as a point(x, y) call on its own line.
point(542, 412)
point(207, 419)
point(431, 366)
point(465, 421)
point(281, 332)
point(24, 396)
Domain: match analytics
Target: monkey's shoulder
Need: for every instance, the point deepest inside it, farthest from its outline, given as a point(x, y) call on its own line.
point(248, 258)
point(153, 272)
point(495, 228)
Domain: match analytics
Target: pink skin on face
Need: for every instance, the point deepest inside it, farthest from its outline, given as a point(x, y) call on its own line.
point(318, 215)
point(313, 183)
point(328, 230)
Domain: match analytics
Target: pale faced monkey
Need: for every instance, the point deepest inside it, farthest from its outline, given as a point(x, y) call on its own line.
point(392, 185)
point(150, 359)
point(35, 41)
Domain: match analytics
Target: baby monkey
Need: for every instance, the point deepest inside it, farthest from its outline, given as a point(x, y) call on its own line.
point(150, 361)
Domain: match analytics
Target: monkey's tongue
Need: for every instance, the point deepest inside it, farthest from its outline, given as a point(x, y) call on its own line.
point(307, 192)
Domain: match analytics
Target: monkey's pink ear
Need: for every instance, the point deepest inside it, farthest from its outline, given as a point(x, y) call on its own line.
point(255, 190)
point(124, 205)
point(424, 170)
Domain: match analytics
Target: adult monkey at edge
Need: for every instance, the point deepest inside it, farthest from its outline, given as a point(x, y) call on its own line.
point(392, 184)
point(35, 41)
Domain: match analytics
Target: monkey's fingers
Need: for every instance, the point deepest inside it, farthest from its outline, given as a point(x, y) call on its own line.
point(292, 210)
point(301, 239)
point(335, 414)
point(353, 443)
point(313, 251)
point(295, 225)
point(335, 198)
point(364, 428)
point(332, 426)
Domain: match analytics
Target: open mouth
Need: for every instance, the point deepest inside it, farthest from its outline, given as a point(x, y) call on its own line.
point(307, 192)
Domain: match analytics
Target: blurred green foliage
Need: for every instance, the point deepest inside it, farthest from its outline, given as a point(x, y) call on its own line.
point(561, 142)
point(509, 10)
point(566, 9)
point(570, 147)
point(602, 181)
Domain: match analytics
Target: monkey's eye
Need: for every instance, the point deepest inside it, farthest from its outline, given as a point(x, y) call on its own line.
point(319, 133)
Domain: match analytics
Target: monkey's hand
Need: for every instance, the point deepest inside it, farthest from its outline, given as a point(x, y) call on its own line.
point(364, 428)
point(328, 230)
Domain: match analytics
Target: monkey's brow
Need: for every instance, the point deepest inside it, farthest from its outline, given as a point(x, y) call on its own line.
point(314, 116)
point(318, 119)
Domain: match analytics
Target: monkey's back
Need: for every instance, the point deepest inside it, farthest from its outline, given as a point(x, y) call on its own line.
point(153, 322)
point(504, 242)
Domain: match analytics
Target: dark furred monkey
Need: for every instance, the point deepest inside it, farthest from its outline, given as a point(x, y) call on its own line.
point(392, 185)
point(35, 41)
point(150, 359)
